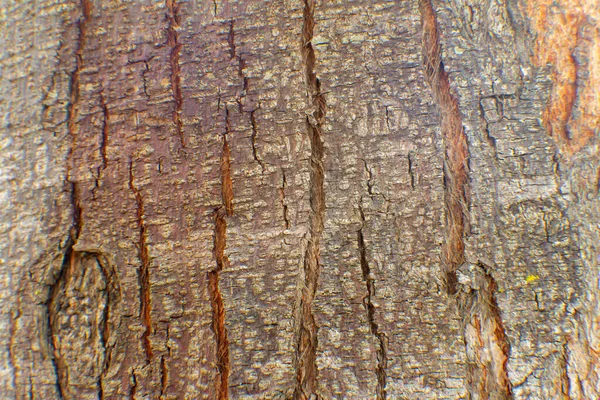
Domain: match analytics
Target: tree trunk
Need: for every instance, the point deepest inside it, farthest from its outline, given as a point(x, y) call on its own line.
point(300, 199)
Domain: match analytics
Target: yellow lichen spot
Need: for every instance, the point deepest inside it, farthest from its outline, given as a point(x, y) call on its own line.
point(165, 82)
point(531, 278)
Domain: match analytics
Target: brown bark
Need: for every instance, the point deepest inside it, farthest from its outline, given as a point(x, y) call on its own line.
point(309, 199)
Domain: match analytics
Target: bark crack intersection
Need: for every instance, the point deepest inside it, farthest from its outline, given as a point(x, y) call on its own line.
point(306, 347)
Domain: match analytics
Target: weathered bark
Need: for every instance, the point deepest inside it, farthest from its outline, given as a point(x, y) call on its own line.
point(300, 199)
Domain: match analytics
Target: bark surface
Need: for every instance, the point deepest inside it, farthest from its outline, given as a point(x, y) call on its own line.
point(300, 199)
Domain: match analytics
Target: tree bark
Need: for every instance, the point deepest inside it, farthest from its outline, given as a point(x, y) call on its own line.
point(300, 199)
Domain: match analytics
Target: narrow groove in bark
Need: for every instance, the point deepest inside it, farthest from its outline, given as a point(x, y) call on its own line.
point(411, 171)
point(483, 329)
point(485, 338)
point(283, 201)
point(111, 296)
point(60, 366)
point(306, 347)
point(226, 182)
point(218, 308)
point(173, 42)
point(455, 142)
point(104, 135)
point(133, 388)
point(565, 383)
point(253, 140)
point(144, 271)
point(220, 242)
point(231, 40)
point(381, 368)
point(164, 374)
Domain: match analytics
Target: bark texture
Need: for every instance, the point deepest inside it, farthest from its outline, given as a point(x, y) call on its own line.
point(300, 199)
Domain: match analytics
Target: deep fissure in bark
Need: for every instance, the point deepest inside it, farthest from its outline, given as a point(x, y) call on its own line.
point(58, 363)
point(253, 140)
point(485, 338)
point(104, 134)
point(144, 270)
point(111, 296)
point(455, 142)
point(306, 347)
point(60, 367)
point(216, 299)
point(173, 42)
point(381, 338)
point(283, 201)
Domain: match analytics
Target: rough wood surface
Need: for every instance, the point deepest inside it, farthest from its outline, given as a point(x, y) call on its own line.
point(300, 199)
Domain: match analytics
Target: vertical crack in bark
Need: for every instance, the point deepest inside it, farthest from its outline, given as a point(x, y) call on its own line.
point(411, 171)
point(218, 308)
point(226, 182)
point(231, 40)
point(485, 338)
point(220, 238)
point(111, 296)
point(173, 42)
point(164, 377)
point(53, 307)
point(133, 388)
point(283, 201)
point(456, 150)
point(306, 348)
point(58, 363)
point(565, 383)
point(253, 141)
point(381, 337)
point(104, 134)
point(144, 271)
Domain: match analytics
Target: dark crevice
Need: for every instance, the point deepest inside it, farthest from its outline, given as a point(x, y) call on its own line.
point(145, 80)
point(218, 308)
point(411, 171)
point(253, 141)
point(306, 334)
point(381, 338)
point(53, 307)
point(231, 40)
point(369, 179)
point(164, 377)
point(485, 338)
point(144, 270)
point(173, 42)
point(111, 296)
point(222, 262)
point(226, 181)
point(133, 388)
point(283, 201)
point(455, 142)
point(104, 134)
point(60, 367)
